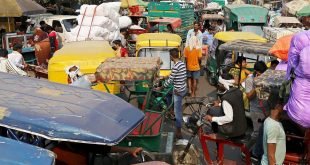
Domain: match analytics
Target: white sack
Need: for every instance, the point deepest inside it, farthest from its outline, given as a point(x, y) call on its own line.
point(86, 31)
point(124, 22)
point(90, 9)
point(97, 21)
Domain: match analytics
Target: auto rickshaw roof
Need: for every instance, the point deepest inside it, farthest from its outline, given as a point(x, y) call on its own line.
point(15, 152)
point(258, 48)
point(65, 113)
point(212, 17)
point(231, 36)
point(249, 13)
point(174, 22)
point(285, 20)
point(79, 53)
point(129, 69)
point(158, 40)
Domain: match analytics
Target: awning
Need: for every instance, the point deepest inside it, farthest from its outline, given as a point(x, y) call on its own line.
point(294, 6)
point(305, 11)
point(17, 8)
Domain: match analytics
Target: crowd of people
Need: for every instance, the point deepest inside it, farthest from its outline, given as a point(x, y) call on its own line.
point(228, 112)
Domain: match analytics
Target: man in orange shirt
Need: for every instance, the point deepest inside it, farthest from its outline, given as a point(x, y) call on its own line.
point(193, 54)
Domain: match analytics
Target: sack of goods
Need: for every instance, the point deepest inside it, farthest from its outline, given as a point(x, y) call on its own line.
point(97, 22)
point(299, 62)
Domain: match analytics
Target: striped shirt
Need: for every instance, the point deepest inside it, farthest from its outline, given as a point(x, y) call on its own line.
point(177, 77)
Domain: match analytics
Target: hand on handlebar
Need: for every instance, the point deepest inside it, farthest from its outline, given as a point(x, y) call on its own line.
point(208, 118)
point(134, 151)
point(216, 103)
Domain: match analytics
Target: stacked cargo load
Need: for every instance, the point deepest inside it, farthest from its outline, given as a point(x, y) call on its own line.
point(184, 11)
point(274, 33)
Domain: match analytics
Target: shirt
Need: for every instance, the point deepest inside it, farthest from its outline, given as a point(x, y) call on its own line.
point(274, 133)
point(7, 67)
point(53, 35)
point(236, 71)
point(82, 82)
point(207, 38)
point(17, 59)
point(249, 86)
point(192, 33)
point(228, 117)
point(192, 58)
point(177, 77)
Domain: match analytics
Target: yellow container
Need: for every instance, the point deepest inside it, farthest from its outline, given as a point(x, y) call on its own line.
point(161, 43)
point(88, 55)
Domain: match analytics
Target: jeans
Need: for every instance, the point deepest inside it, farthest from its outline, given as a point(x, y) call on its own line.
point(177, 100)
point(257, 118)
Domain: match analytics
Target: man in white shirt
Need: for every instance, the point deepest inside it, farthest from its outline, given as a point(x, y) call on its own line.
point(228, 116)
point(194, 32)
point(16, 58)
point(6, 66)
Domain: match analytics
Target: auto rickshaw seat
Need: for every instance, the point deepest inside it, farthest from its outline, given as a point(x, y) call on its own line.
point(150, 118)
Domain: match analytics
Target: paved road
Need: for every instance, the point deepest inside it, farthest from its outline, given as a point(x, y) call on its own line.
point(231, 153)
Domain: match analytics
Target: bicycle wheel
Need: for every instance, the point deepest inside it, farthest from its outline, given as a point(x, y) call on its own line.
point(191, 158)
point(194, 104)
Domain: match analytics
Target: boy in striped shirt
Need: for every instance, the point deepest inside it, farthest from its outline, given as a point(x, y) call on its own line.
point(178, 79)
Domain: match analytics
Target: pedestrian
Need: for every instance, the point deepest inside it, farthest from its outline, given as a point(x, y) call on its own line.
point(194, 32)
point(123, 36)
point(274, 138)
point(120, 51)
point(43, 25)
point(52, 34)
point(7, 67)
point(257, 108)
point(178, 79)
point(16, 58)
point(30, 26)
point(193, 55)
point(227, 116)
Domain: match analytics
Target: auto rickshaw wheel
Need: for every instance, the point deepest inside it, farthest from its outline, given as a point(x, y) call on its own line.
point(211, 78)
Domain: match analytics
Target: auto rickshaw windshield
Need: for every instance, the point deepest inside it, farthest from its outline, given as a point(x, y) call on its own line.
point(163, 53)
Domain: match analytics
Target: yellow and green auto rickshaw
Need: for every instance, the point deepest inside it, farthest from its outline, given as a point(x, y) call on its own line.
point(158, 45)
point(213, 64)
point(88, 55)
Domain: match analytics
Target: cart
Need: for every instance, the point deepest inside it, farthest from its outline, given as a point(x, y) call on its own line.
point(149, 134)
point(50, 115)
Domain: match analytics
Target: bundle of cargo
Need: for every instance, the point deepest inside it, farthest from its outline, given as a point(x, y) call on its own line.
point(269, 80)
point(97, 22)
point(298, 66)
point(129, 69)
point(273, 33)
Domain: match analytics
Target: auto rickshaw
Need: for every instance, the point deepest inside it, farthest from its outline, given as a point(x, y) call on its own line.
point(213, 62)
point(245, 18)
point(14, 152)
point(68, 120)
point(88, 55)
point(158, 45)
point(143, 71)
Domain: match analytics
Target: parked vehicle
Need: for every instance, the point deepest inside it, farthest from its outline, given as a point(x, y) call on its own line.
point(158, 45)
point(214, 61)
point(56, 116)
point(88, 55)
point(62, 24)
point(245, 18)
